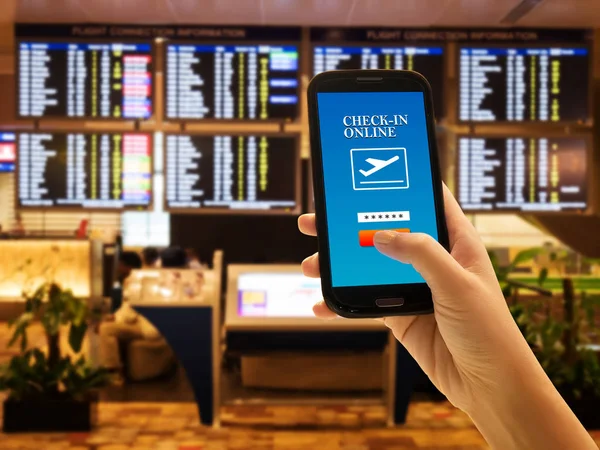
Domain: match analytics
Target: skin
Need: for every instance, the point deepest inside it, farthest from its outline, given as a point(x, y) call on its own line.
point(471, 348)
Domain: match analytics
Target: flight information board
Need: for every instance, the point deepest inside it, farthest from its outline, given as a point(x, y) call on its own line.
point(235, 173)
point(524, 84)
point(247, 82)
point(7, 152)
point(84, 80)
point(77, 170)
point(530, 174)
point(428, 61)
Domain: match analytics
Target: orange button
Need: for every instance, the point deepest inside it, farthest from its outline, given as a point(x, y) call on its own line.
point(365, 237)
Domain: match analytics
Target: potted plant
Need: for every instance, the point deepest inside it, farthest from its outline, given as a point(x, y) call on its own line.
point(50, 391)
point(561, 346)
point(511, 287)
point(559, 342)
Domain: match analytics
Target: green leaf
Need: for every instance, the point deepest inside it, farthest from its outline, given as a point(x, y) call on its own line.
point(589, 307)
point(494, 259)
point(543, 276)
point(80, 378)
point(526, 255)
point(506, 290)
point(76, 335)
point(39, 360)
point(562, 255)
point(20, 325)
point(31, 373)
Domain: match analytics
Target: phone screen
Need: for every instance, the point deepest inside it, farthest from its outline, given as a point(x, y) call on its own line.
point(377, 175)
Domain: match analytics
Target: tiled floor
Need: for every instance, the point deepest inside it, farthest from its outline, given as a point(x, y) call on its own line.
point(146, 426)
point(174, 426)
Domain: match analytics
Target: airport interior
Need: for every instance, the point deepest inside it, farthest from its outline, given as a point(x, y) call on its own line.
point(155, 158)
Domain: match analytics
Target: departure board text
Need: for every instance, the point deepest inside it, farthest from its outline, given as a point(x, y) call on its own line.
point(523, 84)
point(522, 173)
point(231, 172)
point(248, 82)
point(428, 61)
point(76, 170)
point(98, 81)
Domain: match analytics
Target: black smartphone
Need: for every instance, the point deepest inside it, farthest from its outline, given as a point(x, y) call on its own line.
point(375, 167)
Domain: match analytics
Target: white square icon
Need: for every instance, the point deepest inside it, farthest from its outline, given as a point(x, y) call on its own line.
point(379, 168)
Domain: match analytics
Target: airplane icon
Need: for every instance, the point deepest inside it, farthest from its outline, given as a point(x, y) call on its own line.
point(378, 164)
point(380, 168)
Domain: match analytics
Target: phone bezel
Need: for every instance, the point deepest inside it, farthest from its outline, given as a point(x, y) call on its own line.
point(359, 301)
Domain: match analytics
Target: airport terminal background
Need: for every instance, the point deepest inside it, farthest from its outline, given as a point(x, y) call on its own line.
point(497, 86)
point(121, 135)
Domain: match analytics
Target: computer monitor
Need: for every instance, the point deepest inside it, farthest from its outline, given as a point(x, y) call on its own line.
point(232, 81)
point(103, 80)
point(84, 170)
point(278, 297)
point(232, 174)
point(7, 152)
point(512, 83)
point(355, 48)
point(428, 61)
point(528, 174)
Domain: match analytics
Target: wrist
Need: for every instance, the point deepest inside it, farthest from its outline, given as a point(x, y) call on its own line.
point(500, 409)
point(511, 367)
point(523, 410)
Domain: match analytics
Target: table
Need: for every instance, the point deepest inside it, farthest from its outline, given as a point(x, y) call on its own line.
point(263, 333)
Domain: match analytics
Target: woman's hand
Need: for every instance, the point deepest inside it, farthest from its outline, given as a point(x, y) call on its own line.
point(470, 348)
point(457, 345)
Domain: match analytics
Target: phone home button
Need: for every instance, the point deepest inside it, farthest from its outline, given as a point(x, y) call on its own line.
point(389, 302)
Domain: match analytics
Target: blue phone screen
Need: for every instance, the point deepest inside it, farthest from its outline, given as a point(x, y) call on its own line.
point(377, 173)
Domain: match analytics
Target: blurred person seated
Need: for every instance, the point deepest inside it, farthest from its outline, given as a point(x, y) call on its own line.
point(150, 258)
point(128, 261)
point(129, 344)
point(193, 260)
point(173, 258)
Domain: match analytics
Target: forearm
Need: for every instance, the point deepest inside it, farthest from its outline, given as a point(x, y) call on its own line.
point(526, 412)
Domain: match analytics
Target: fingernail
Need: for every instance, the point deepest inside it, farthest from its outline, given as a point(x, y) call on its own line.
point(384, 237)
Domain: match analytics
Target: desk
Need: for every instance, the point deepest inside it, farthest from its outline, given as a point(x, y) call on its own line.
point(402, 368)
point(192, 329)
point(272, 291)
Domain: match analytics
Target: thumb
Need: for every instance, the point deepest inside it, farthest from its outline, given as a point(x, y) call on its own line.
point(439, 269)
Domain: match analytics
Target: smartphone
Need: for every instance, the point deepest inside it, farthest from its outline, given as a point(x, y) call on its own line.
point(375, 167)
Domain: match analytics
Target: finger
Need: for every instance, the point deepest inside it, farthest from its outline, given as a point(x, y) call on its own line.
point(455, 217)
point(458, 224)
point(471, 253)
point(307, 224)
point(322, 311)
point(439, 269)
point(310, 266)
